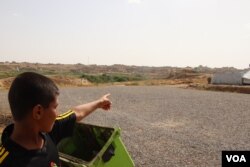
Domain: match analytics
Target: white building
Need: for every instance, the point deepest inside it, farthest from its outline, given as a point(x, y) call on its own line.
point(232, 78)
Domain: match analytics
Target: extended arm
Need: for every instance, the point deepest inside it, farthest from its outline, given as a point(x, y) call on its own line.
point(84, 110)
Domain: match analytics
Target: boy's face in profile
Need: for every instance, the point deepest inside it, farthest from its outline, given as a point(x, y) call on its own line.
point(48, 116)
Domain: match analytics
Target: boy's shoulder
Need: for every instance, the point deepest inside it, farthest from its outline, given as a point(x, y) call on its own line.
point(4, 153)
point(6, 147)
point(4, 150)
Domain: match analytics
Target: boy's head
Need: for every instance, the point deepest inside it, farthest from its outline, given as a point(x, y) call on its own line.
point(29, 90)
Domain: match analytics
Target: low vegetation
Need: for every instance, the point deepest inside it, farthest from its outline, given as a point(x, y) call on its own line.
point(109, 78)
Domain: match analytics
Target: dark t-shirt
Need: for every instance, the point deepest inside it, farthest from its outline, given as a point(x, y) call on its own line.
point(14, 155)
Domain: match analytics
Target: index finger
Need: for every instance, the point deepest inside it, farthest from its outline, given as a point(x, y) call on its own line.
point(107, 95)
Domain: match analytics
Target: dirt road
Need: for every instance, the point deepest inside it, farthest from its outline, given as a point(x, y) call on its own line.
point(167, 126)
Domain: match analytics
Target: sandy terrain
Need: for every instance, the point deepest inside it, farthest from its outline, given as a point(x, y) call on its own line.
point(168, 126)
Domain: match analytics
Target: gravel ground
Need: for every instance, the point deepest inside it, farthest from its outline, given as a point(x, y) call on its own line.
point(167, 126)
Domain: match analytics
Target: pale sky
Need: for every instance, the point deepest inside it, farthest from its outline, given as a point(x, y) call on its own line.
point(180, 33)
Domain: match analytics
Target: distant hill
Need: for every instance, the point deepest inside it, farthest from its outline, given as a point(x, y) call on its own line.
point(12, 68)
point(85, 75)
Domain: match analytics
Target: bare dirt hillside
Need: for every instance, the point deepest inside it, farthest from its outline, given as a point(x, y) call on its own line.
point(62, 81)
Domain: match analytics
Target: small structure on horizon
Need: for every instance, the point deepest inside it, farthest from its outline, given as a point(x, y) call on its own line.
point(231, 78)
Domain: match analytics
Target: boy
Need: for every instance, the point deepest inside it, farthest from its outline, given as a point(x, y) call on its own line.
point(31, 140)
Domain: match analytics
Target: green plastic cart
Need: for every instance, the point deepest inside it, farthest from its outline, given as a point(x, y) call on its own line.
point(94, 146)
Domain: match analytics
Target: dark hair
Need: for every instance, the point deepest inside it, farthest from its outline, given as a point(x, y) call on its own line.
point(29, 89)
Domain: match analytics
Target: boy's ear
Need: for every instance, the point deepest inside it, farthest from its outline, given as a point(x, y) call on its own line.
point(37, 112)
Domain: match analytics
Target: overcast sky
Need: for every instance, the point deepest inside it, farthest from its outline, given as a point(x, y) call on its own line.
point(213, 33)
